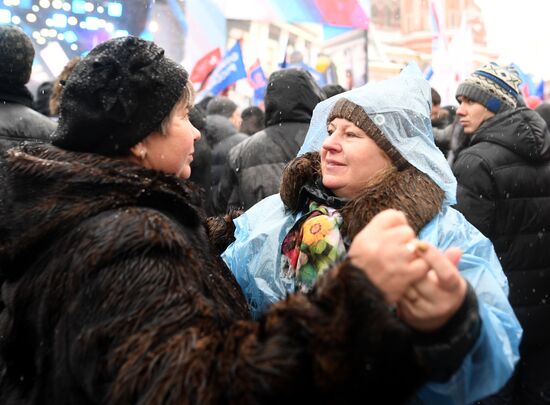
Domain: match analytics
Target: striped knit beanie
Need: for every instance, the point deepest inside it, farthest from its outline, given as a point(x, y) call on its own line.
point(493, 86)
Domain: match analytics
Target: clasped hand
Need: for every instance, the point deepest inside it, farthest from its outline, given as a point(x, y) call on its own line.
point(421, 280)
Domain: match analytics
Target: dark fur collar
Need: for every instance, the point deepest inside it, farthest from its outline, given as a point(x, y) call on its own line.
point(408, 190)
point(49, 191)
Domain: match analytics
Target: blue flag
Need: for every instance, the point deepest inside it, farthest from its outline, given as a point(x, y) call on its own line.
point(228, 71)
point(316, 74)
point(539, 91)
point(258, 81)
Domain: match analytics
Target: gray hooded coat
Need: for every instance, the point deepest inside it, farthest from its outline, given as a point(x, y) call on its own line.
point(255, 165)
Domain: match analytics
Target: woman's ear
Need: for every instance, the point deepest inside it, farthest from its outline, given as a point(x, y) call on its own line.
point(139, 151)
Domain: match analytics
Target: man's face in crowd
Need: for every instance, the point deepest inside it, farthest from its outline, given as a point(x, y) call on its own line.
point(471, 114)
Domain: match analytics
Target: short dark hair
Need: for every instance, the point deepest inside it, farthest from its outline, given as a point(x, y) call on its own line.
point(197, 117)
point(253, 120)
point(333, 89)
point(186, 100)
point(222, 106)
point(41, 102)
point(436, 98)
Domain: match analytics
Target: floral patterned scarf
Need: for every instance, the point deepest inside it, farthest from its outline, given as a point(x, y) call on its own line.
point(312, 245)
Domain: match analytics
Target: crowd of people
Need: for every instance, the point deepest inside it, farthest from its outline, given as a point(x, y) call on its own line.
point(341, 246)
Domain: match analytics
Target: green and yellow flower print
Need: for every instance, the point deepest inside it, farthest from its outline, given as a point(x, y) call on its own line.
point(312, 245)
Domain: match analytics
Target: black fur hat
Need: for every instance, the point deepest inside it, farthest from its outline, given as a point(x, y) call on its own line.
point(116, 96)
point(16, 55)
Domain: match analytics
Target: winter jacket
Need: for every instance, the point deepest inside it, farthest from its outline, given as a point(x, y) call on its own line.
point(202, 157)
point(401, 110)
point(255, 165)
point(201, 166)
point(112, 293)
point(222, 136)
point(504, 190)
point(19, 123)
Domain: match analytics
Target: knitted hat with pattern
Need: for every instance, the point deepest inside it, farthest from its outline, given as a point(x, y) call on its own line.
point(493, 86)
point(16, 55)
point(352, 112)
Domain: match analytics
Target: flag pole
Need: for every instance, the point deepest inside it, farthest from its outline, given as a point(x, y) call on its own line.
point(366, 47)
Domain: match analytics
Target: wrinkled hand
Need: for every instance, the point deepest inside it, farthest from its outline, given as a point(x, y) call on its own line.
point(380, 250)
point(430, 302)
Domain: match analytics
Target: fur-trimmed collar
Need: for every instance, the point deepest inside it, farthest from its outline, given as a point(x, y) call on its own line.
point(49, 191)
point(408, 190)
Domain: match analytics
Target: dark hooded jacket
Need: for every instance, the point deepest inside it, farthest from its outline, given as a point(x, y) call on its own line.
point(255, 165)
point(504, 190)
point(112, 293)
point(20, 123)
point(202, 157)
point(222, 135)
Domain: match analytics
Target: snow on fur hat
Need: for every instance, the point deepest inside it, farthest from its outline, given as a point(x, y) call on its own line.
point(116, 96)
point(493, 86)
point(16, 55)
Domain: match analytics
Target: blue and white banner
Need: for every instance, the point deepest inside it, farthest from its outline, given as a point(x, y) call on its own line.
point(229, 70)
point(258, 81)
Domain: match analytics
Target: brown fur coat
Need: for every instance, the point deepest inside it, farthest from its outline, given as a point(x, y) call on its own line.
point(113, 294)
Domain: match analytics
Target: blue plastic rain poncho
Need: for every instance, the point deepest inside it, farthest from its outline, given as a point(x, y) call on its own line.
point(401, 109)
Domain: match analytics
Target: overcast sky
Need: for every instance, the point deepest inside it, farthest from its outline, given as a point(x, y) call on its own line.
point(520, 31)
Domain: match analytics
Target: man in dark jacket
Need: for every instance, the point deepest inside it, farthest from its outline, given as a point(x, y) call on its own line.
point(255, 165)
point(202, 158)
point(504, 190)
point(18, 121)
point(222, 121)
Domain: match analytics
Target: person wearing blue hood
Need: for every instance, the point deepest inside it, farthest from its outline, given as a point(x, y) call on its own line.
point(369, 158)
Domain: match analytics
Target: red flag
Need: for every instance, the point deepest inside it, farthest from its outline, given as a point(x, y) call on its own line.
point(205, 65)
point(525, 90)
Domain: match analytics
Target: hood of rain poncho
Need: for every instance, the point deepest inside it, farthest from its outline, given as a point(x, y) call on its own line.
point(401, 108)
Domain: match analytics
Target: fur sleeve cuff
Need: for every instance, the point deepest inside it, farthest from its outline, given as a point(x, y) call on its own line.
point(221, 230)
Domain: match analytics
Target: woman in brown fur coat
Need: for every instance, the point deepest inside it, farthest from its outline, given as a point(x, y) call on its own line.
point(112, 292)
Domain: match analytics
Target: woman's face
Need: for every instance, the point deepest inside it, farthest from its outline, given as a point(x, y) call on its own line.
point(172, 152)
point(350, 159)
